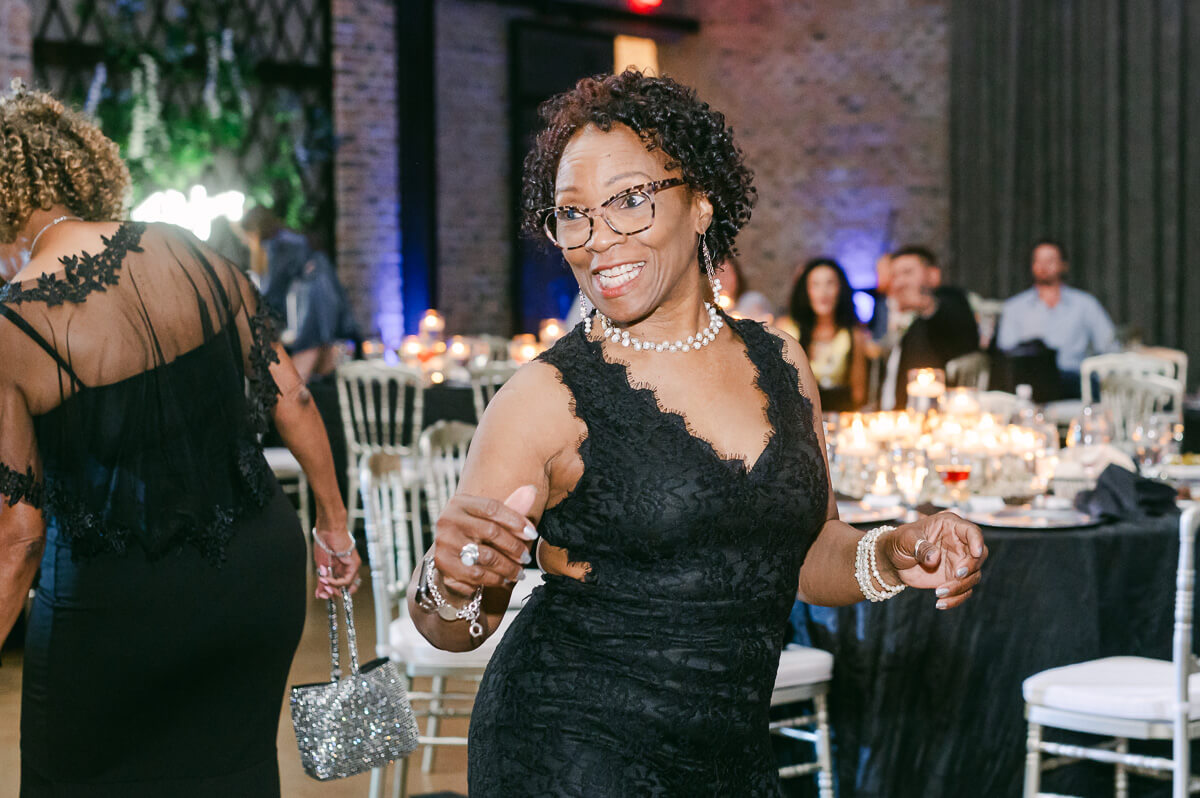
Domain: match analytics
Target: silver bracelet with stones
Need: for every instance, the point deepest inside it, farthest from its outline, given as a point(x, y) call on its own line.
point(866, 568)
point(444, 609)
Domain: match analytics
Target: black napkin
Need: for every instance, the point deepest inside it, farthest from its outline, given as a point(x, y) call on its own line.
point(1123, 495)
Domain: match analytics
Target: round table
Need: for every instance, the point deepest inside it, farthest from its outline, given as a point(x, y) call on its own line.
point(928, 704)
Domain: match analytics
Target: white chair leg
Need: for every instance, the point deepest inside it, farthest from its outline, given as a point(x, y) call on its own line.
point(824, 758)
point(1122, 777)
point(376, 783)
point(352, 498)
point(305, 513)
point(431, 728)
point(400, 778)
point(1033, 761)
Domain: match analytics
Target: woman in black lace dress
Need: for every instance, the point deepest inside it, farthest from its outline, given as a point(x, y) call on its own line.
point(171, 593)
point(673, 461)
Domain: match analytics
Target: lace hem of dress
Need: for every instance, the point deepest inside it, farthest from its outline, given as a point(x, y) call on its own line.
point(209, 532)
point(82, 274)
point(17, 486)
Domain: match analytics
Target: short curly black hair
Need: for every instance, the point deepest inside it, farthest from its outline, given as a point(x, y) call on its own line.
point(666, 115)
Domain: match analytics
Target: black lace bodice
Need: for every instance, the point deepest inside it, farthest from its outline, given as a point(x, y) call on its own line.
point(653, 676)
point(137, 388)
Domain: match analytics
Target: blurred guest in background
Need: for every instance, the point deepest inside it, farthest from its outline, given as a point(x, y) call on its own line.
point(736, 296)
point(943, 325)
point(299, 283)
point(1070, 321)
point(882, 312)
point(822, 314)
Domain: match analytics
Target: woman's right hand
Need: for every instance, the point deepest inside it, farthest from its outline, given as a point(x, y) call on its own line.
point(502, 532)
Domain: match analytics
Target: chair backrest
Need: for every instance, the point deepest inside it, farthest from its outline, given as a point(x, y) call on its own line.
point(1176, 356)
point(1132, 397)
point(987, 315)
point(395, 543)
point(497, 347)
point(486, 380)
point(971, 370)
point(999, 403)
point(382, 406)
point(443, 449)
point(1134, 363)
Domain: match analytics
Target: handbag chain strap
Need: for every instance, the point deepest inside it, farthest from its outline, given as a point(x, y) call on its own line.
point(335, 670)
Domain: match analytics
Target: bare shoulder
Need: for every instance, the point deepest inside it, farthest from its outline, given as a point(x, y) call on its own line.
point(533, 406)
point(792, 350)
point(794, 353)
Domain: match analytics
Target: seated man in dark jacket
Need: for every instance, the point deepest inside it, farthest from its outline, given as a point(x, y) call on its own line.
point(943, 325)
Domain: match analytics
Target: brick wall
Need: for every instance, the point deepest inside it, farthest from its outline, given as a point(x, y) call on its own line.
point(843, 112)
point(16, 42)
point(842, 109)
point(367, 162)
point(473, 171)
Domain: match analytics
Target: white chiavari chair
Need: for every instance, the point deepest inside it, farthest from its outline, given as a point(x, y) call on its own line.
point(804, 676)
point(1124, 698)
point(486, 380)
point(1094, 369)
point(382, 409)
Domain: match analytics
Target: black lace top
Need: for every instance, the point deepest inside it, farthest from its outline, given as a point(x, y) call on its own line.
point(133, 391)
point(653, 676)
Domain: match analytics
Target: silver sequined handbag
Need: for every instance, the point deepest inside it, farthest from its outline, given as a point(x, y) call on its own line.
point(347, 726)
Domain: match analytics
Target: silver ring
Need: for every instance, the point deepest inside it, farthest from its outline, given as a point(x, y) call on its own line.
point(917, 548)
point(469, 554)
point(357, 581)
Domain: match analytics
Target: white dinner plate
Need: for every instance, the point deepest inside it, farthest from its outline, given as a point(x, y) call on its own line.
point(860, 513)
point(1180, 472)
point(1026, 517)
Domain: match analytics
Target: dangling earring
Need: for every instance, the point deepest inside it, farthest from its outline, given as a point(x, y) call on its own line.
point(706, 257)
point(585, 306)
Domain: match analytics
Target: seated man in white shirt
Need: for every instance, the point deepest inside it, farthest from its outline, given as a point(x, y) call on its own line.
point(1065, 319)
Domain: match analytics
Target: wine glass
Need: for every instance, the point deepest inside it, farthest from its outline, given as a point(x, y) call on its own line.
point(955, 473)
point(1092, 427)
point(1151, 437)
point(910, 470)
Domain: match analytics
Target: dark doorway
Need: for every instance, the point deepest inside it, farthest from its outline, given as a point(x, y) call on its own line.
point(545, 60)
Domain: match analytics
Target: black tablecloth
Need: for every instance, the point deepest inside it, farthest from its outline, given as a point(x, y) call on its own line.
point(1191, 429)
point(928, 704)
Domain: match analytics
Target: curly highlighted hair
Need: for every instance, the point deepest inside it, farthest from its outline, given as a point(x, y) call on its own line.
point(52, 155)
point(667, 116)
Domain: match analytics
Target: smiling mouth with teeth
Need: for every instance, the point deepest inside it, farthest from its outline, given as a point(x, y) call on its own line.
point(619, 275)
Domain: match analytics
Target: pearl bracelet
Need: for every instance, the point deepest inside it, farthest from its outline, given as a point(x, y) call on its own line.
point(866, 567)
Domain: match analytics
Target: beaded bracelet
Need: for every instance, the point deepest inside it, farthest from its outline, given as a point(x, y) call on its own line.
point(866, 567)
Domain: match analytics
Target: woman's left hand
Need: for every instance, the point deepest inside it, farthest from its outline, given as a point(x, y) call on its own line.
point(335, 573)
point(942, 552)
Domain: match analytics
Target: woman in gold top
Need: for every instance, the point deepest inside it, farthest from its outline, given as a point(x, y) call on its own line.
point(822, 312)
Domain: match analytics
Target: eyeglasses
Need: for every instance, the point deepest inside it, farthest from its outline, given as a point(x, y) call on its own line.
point(626, 213)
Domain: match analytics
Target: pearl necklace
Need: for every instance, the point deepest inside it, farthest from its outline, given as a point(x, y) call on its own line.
point(622, 337)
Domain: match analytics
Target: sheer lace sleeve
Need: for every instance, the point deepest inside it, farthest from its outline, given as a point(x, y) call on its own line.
point(20, 470)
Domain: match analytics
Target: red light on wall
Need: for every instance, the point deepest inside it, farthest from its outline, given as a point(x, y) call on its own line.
point(644, 6)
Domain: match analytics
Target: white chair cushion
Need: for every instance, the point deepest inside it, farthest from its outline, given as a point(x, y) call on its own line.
point(409, 646)
point(524, 589)
point(1118, 687)
point(799, 665)
point(282, 461)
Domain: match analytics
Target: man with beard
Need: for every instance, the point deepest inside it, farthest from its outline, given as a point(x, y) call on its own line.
point(1070, 321)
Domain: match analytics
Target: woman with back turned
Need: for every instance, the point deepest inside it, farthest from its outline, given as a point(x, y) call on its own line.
point(139, 373)
point(673, 460)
